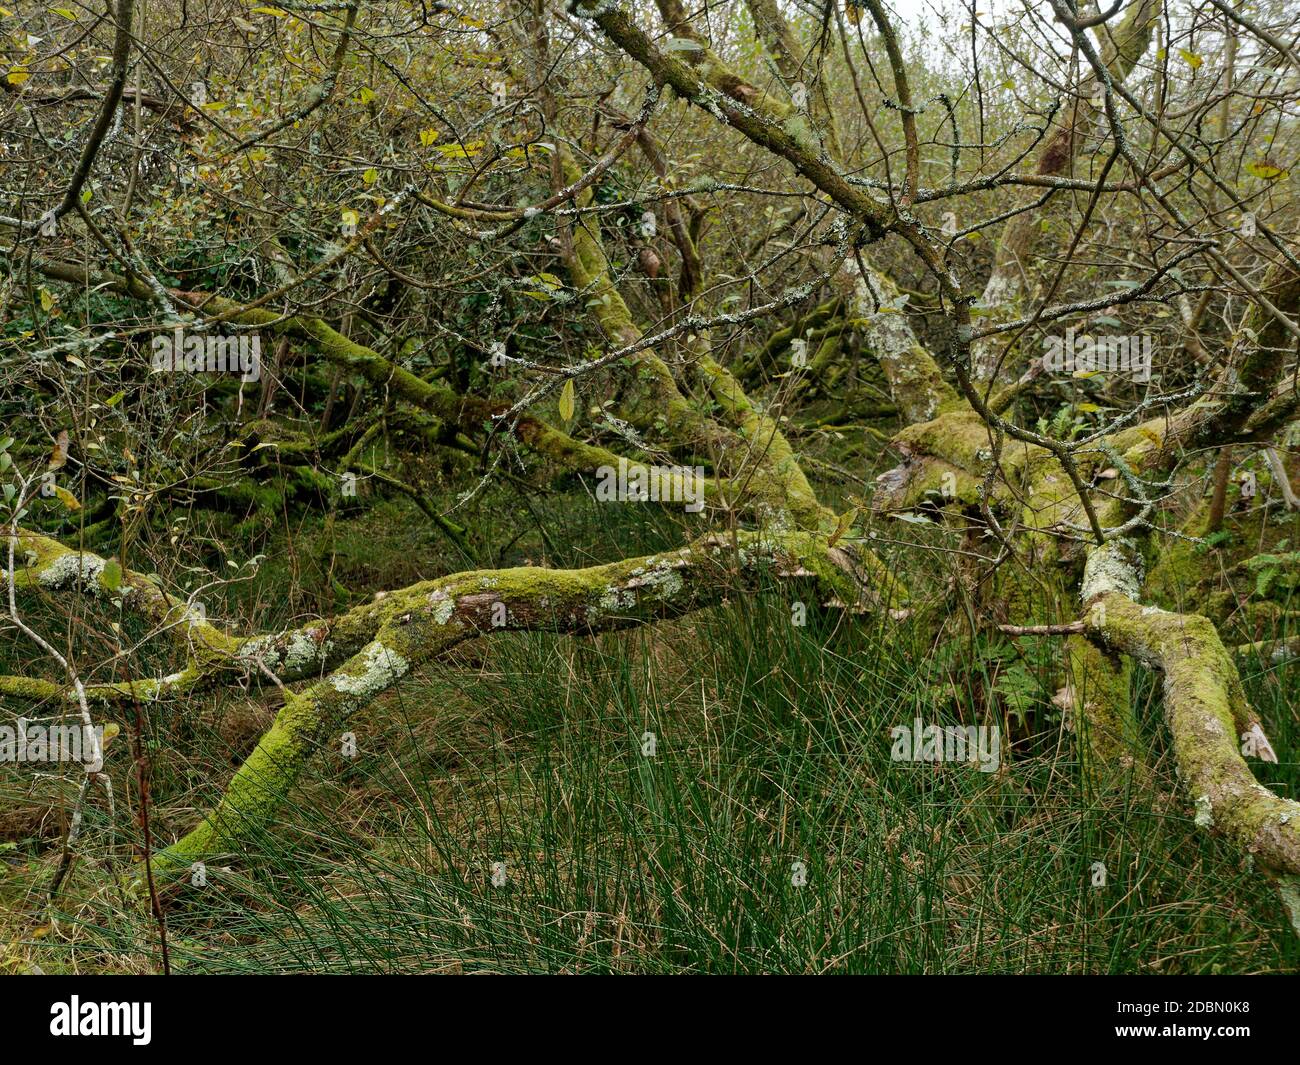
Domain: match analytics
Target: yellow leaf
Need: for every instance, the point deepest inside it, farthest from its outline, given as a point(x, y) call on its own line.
point(367, 94)
point(67, 498)
point(71, 16)
point(17, 76)
point(350, 217)
point(461, 151)
point(566, 401)
point(428, 136)
point(110, 731)
point(1266, 170)
point(370, 176)
point(47, 301)
point(277, 12)
point(1191, 58)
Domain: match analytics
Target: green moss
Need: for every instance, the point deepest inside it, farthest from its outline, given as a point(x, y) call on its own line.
point(254, 793)
point(1207, 712)
point(1103, 712)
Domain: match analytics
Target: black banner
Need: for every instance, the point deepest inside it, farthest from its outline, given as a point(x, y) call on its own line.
point(299, 1013)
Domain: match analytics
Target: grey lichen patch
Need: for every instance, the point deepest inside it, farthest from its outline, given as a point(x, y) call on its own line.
point(666, 581)
point(303, 651)
point(444, 606)
point(593, 9)
point(72, 569)
point(1204, 812)
point(374, 670)
point(1289, 888)
point(1115, 566)
point(259, 649)
point(615, 598)
point(659, 577)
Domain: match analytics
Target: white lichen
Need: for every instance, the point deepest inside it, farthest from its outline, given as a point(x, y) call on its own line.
point(1115, 566)
point(70, 569)
point(378, 668)
point(1204, 812)
point(259, 649)
point(443, 607)
point(661, 578)
point(302, 652)
point(1289, 888)
point(615, 598)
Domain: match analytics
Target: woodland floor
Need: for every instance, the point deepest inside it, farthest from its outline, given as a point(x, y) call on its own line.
point(771, 748)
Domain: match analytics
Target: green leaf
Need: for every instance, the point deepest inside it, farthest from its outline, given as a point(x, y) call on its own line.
point(844, 524)
point(566, 401)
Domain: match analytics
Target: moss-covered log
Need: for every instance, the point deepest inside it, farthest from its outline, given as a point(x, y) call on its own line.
point(1209, 719)
point(417, 624)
